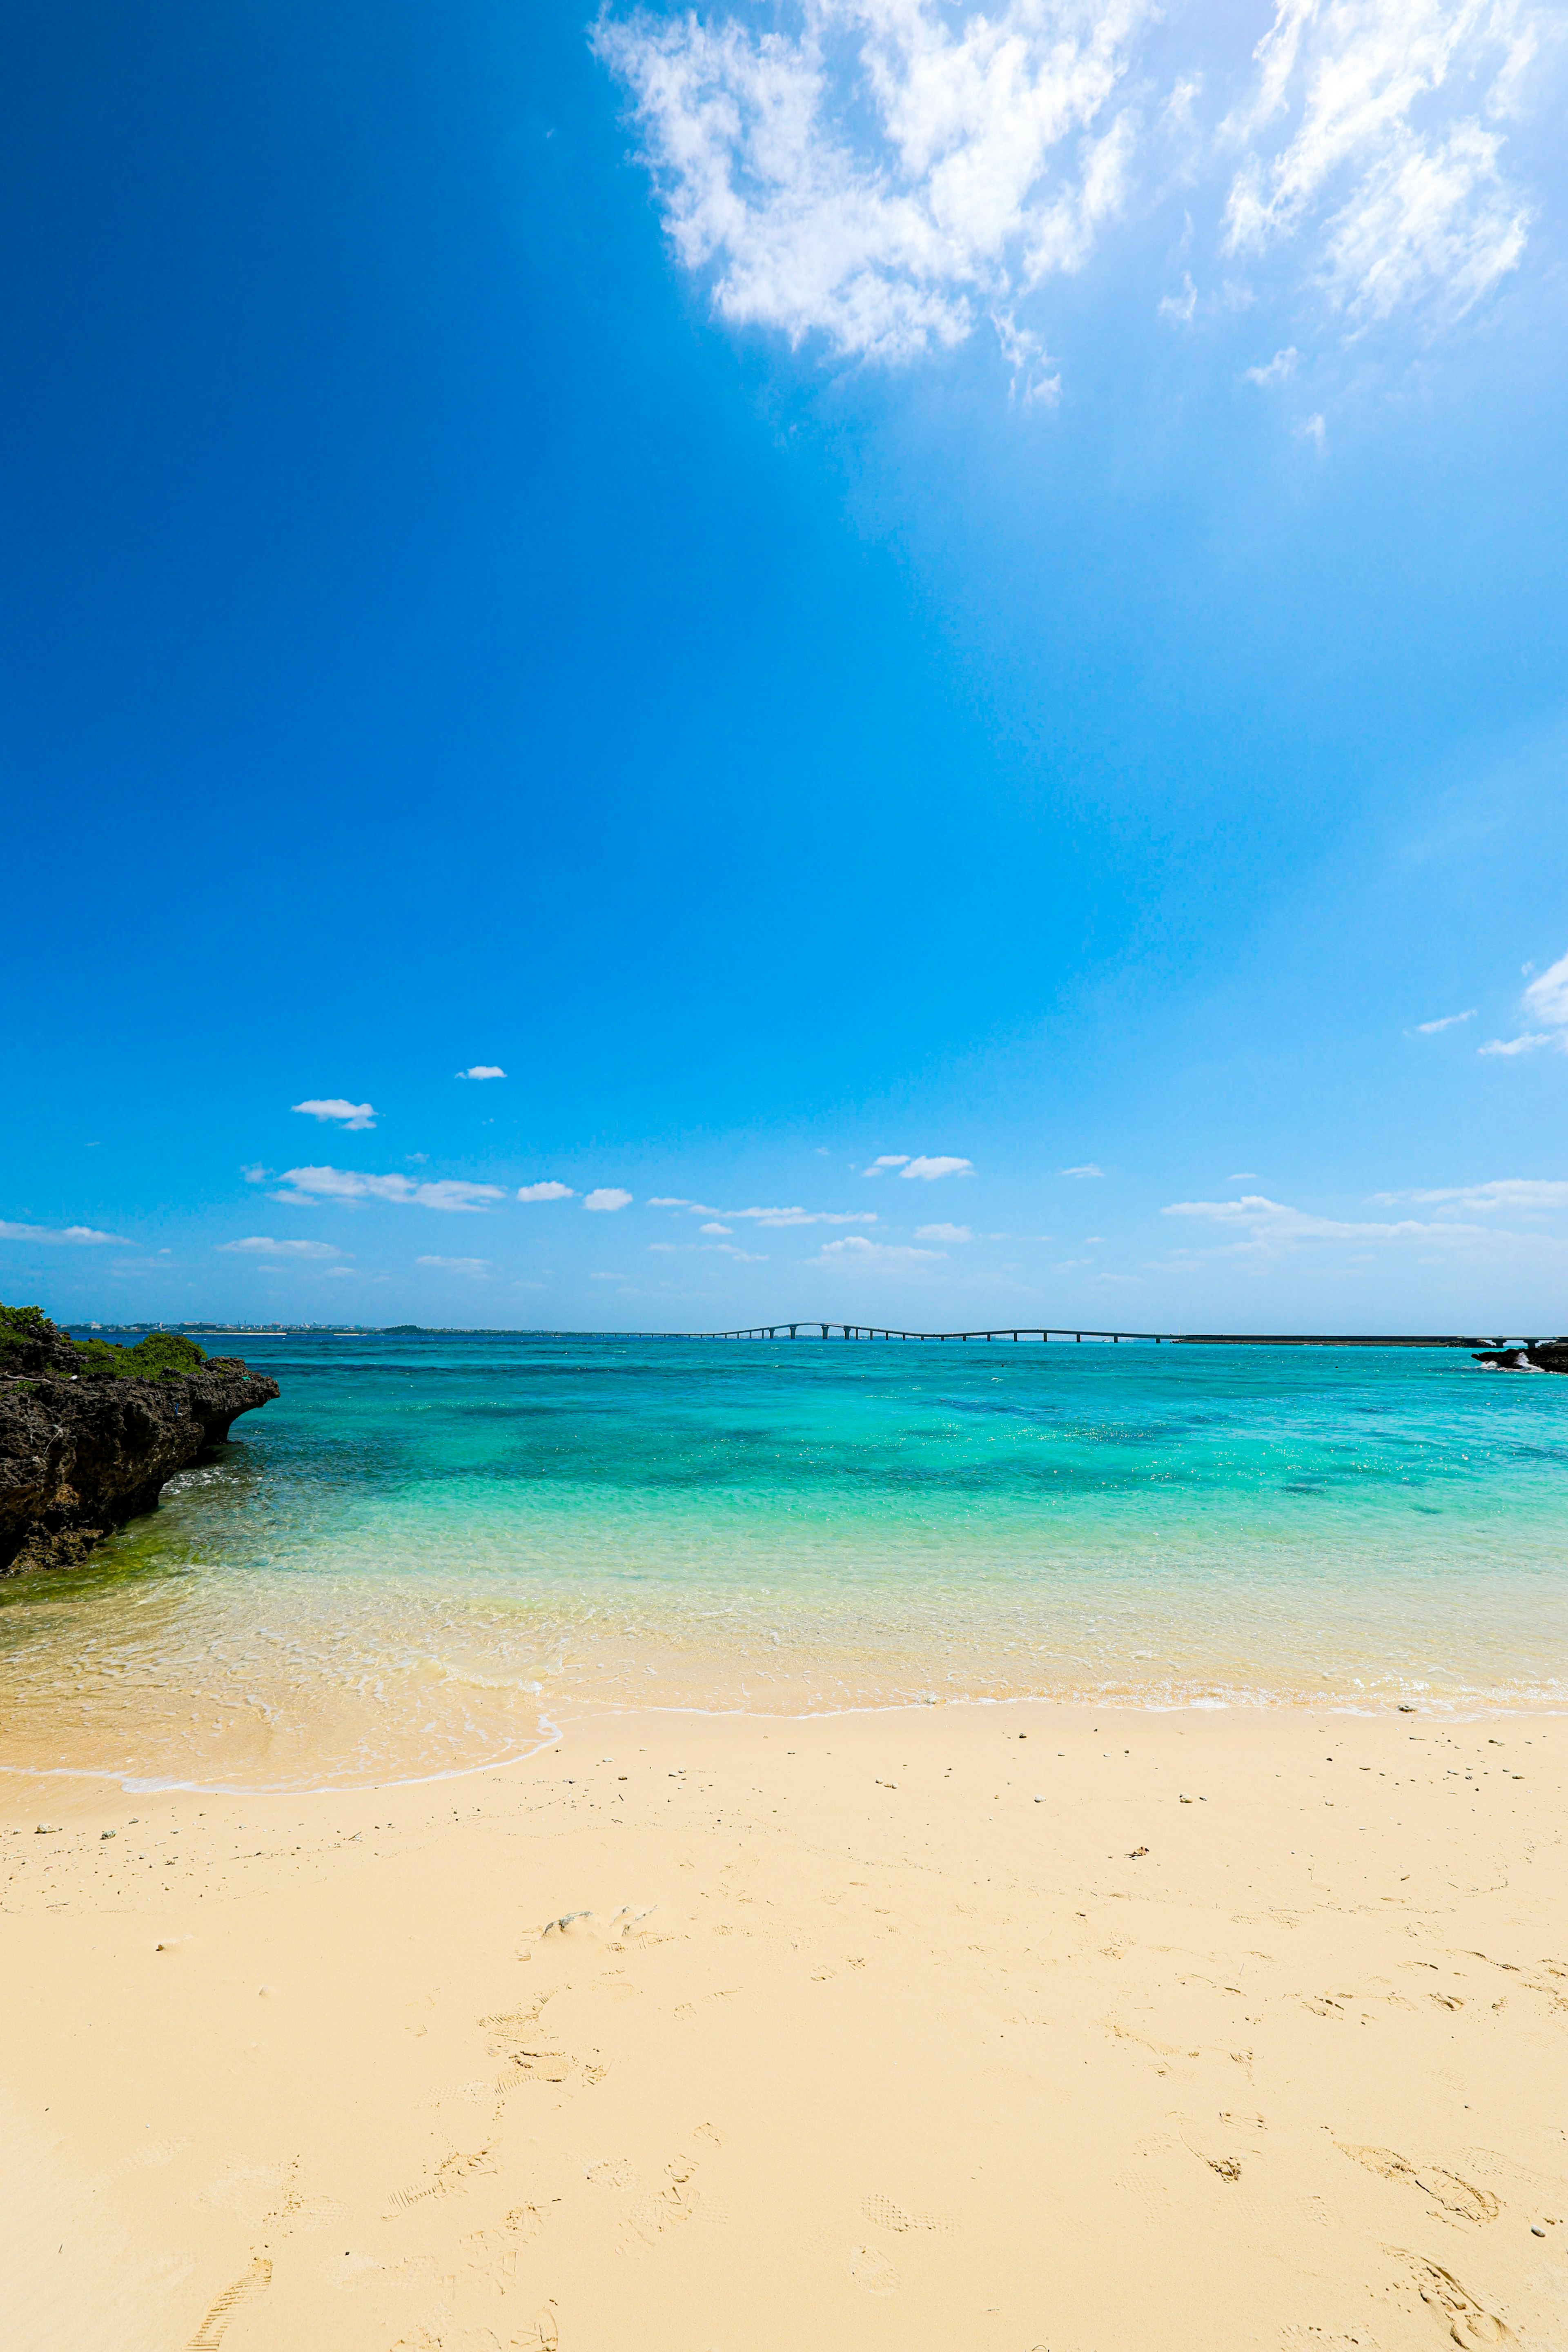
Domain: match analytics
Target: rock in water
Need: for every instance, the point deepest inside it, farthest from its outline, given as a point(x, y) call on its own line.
point(89, 1433)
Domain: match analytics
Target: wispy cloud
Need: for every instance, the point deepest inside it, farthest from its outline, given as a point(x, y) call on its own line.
point(1516, 1193)
point(1448, 1021)
point(83, 1237)
point(886, 176)
point(926, 1170)
point(1279, 369)
point(456, 1265)
point(1243, 1176)
point(263, 1245)
point(334, 1108)
point(888, 1159)
point(1262, 1225)
point(707, 1249)
point(1088, 1168)
point(545, 1193)
point(256, 1174)
point(1545, 1001)
point(854, 1254)
point(480, 1070)
point(946, 1233)
point(782, 1217)
point(713, 1226)
point(607, 1198)
point(307, 1186)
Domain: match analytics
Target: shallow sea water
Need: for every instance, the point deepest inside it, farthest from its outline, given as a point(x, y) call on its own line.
point(434, 1548)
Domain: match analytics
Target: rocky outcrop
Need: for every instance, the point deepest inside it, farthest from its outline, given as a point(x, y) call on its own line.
point(1537, 1356)
point(83, 1451)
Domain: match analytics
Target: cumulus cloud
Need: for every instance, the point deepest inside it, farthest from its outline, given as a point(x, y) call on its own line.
point(1544, 1001)
point(306, 1186)
point(482, 1070)
point(456, 1265)
point(887, 176)
point(946, 1233)
point(351, 1116)
point(545, 1193)
point(856, 1254)
point(713, 1226)
point(1088, 1168)
point(87, 1236)
point(1448, 1021)
point(607, 1197)
point(926, 1170)
point(263, 1245)
point(888, 1159)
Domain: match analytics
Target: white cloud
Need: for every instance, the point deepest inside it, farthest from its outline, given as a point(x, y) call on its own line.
point(308, 1185)
point(887, 175)
point(256, 1174)
point(1545, 1000)
point(926, 1170)
point(1449, 1021)
point(263, 1245)
point(856, 1254)
point(545, 1193)
point(1509, 1046)
point(351, 1116)
point(1088, 1168)
point(1243, 1176)
point(1525, 1192)
point(1264, 1224)
point(707, 1249)
point(883, 172)
point(888, 1159)
point(1400, 187)
point(781, 1217)
point(1279, 369)
point(87, 1236)
point(456, 1265)
point(482, 1070)
point(948, 1233)
point(607, 1197)
point(1316, 431)
point(712, 1226)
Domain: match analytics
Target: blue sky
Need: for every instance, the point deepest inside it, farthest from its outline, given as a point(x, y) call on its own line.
point(815, 586)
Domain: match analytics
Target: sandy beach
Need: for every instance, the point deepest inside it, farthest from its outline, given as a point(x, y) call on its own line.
point(1014, 2027)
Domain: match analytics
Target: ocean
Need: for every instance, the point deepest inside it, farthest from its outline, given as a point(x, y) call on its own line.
point(434, 1548)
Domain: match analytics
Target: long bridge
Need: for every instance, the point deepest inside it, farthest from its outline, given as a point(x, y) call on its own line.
point(814, 1329)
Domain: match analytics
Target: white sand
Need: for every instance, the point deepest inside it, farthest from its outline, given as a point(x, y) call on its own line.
point(870, 2031)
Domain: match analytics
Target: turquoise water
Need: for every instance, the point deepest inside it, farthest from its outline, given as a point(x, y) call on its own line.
point(433, 1548)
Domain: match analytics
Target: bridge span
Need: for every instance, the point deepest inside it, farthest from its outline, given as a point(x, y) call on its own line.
point(814, 1329)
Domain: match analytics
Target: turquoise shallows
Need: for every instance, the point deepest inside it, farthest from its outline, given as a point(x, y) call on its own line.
point(434, 1547)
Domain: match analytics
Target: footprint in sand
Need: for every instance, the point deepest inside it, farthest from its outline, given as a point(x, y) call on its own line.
point(871, 2270)
point(1444, 2189)
point(1469, 2323)
point(221, 2308)
point(888, 2216)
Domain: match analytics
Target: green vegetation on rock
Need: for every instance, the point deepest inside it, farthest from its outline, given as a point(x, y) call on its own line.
point(30, 1342)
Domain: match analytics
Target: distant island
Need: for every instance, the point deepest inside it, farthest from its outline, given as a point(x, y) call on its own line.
point(90, 1433)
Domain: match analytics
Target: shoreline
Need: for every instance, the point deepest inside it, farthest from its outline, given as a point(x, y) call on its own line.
point(907, 2028)
point(1263, 1705)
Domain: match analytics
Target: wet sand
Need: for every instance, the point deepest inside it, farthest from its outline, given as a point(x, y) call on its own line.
point(1003, 2027)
